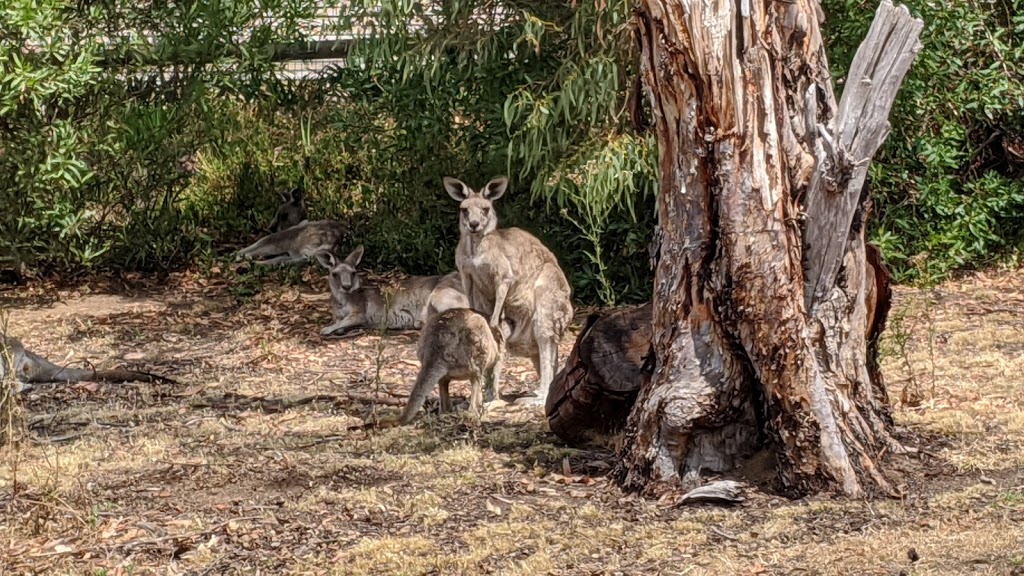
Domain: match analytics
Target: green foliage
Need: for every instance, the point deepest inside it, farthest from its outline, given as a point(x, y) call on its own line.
point(948, 184)
point(96, 118)
point(169, 139)
point(149, 136)
point(537, 94)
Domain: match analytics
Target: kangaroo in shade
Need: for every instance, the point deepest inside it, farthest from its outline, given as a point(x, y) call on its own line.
point(457, 344)
point(509, 273)
point(296, 244)
point(292, 212)
point(28, 368)
point(355, 305)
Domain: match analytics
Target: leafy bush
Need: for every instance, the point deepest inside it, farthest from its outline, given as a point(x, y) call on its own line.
point(146, 137)
point(948, 184)
point(100, 107)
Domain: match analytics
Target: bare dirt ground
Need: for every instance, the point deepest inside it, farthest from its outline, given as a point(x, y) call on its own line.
point(255, 463)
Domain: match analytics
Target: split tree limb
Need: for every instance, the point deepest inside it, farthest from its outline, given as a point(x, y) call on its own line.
point(861, 126)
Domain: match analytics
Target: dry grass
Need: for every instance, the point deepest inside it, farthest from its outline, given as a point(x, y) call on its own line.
point(200, 479)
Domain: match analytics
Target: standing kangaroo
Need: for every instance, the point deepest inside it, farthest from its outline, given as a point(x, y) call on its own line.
point(292, 212)
point(355, 305)
point(28, 368)
point(509, 273)
point(457, 344)
point(296, 244)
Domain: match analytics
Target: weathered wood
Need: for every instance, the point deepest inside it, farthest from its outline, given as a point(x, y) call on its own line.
point(718, 492)
point(593, 393)
point(878, 298)
point(740, 92)
point(850, 142)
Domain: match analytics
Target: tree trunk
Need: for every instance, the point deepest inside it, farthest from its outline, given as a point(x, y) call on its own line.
point(592, 396)
point(759, 294)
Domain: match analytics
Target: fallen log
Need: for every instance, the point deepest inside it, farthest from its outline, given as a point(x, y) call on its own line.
point(593, 393)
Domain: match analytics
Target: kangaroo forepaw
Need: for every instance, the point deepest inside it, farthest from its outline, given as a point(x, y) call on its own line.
point(332, 331)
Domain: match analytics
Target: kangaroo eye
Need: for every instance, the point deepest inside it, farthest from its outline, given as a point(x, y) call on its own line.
point(487, 211)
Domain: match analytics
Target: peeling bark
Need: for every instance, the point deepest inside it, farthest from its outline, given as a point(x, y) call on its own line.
point(755, 313)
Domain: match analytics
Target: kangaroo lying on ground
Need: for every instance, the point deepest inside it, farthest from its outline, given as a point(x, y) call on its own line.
point(296, 244)
point(457, 344)
point(509, 273)
point(355, 305)
point(29, 368)
point(292, 212)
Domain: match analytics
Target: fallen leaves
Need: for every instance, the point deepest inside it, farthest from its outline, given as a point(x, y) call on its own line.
point(250, 465)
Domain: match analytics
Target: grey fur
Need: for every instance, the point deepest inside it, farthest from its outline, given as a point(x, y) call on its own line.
point(509, 274)
point(30, 368)
point(457, 344)
point(445, 296)
point(292, 213)
point(296, 244)
point(355, 305)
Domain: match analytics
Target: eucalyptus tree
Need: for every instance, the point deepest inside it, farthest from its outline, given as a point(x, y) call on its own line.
point(759, 298)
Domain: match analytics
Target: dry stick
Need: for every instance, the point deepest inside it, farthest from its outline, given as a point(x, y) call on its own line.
point(368, 399)
point(150, 541)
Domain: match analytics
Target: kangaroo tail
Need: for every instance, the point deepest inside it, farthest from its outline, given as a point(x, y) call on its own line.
point(429, 376)
point(39, 370)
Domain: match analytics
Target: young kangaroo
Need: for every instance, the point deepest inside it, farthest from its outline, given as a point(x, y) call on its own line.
point(509, 273)
point(292, 212)
point(296, 244)
point(29, 368)
point(457, 344)
point(355, 305)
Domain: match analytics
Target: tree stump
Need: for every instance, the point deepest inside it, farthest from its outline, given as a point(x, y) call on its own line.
point(593, 393)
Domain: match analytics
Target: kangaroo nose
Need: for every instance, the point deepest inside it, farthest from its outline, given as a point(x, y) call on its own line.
point(474, 224)
point(346, 287)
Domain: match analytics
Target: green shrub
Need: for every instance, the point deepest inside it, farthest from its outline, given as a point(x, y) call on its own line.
point(948, 184)
point(103, 166)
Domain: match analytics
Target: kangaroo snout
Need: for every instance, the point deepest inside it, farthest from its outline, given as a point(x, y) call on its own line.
point(474, 225)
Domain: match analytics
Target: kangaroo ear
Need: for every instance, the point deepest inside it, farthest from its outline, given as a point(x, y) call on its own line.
point(495, 188)
point(326, 259)
point(456, 188)
point(354, 258)
point(285, 197)
point(297, 194)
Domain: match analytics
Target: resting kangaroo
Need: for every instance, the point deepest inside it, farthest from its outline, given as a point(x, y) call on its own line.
point(457, 344)
point(29, 368)
point(509, 273)
point(296, 244)
point(355, 305)
point(292, 212)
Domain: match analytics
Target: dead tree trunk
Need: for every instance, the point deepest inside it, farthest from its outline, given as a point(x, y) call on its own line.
point(759, 292)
